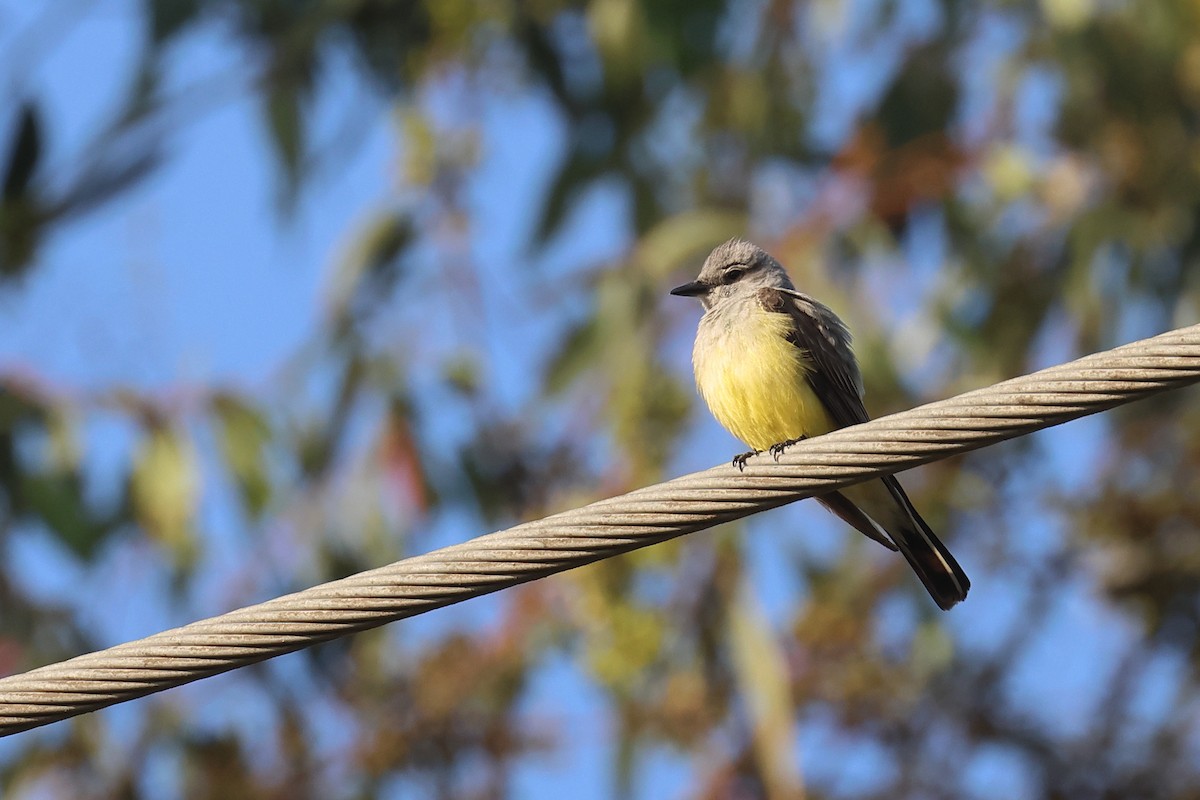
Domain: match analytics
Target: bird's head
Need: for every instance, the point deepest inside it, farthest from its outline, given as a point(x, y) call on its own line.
point(736, 268)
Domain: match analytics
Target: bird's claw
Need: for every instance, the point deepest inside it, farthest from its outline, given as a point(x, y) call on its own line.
point(739, 460)
point(777, 449)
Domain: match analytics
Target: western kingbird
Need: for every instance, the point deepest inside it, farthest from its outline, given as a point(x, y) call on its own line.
point(775, 366)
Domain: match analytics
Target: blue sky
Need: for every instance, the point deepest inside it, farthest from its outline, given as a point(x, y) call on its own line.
point(171, 282)
point(196, 279)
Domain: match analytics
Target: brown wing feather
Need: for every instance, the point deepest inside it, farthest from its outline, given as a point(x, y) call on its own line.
point(817, 330)
point(836, 381)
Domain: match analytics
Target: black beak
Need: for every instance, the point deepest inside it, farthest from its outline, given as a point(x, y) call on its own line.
point(692, 289)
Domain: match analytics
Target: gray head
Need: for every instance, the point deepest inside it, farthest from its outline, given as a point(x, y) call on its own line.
point(735, 269)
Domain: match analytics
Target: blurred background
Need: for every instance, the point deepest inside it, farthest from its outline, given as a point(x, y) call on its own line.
point(294, 288)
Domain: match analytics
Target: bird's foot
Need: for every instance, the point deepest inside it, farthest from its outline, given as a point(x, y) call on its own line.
point(739, 460)
point(777, 449)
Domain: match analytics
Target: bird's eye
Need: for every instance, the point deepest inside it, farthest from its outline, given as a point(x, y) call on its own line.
point(732, 275)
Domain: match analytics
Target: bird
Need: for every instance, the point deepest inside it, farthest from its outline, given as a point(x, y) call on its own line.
point(775, 366)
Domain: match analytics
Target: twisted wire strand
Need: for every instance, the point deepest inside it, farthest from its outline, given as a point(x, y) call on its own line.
point(599, 530)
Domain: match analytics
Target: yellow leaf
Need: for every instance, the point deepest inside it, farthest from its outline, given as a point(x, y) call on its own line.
point(689, 235)
point(1009, 171)
point(762, 675)
point(165, 488)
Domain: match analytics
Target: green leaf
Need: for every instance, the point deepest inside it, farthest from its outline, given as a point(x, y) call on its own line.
point(569, 184)
point(244, 436)
point(169, 17)
point(57, 499)
point(370, 269)
point(24, 154)
point(285, 122)
point(577, 353)
point(21, 215)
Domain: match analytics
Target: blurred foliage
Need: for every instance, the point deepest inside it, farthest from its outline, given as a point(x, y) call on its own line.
point(1050, 153)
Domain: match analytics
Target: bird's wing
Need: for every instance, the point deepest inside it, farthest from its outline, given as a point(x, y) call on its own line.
point(815, 329)
point(834, 379)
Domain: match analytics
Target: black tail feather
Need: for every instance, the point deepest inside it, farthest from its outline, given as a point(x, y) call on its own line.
point(943, 578)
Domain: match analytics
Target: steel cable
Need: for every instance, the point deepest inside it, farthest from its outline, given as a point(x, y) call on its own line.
point(599, 530)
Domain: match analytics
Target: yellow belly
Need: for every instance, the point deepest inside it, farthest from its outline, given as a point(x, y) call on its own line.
point(755, 381)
